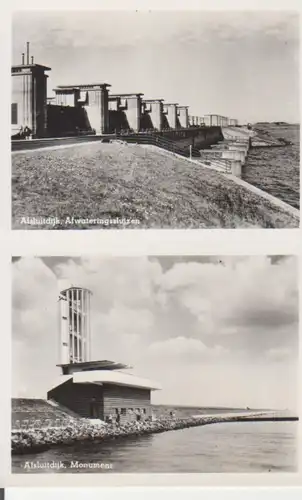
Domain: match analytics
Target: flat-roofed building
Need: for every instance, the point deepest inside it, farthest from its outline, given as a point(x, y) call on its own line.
point(201, 121)
point(125, 112)
point(216, 120)
point(170, 110)
point(183, 116)
point(100, 389)
point(29, 97)
point(196, 121)
point(152, 114)
point(94, 98)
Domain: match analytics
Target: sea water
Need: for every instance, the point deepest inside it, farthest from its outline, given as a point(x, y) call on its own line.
point(223, 447)
point(276, 170)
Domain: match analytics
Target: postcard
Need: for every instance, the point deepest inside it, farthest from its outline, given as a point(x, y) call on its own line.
point(151, 119)
point(155, 365)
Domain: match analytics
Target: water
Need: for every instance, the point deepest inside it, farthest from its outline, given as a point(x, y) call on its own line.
point(224, 447)
point(276, 170)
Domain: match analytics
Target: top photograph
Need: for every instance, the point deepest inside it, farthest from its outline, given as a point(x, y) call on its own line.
point(155, 120)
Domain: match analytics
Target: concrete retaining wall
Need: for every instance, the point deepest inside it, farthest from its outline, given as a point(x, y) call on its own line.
point(199, 138)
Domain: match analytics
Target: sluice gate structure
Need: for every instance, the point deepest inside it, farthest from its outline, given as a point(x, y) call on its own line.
point(90, 112)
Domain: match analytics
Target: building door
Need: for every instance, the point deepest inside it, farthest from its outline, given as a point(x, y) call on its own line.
point(96, 409)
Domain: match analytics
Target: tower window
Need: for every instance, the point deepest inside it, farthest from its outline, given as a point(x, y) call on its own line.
point(14, 113)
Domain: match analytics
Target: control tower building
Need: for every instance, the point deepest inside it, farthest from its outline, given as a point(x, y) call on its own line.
point(90, 388)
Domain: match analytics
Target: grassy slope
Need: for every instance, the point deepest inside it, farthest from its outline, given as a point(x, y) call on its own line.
point(116, 180)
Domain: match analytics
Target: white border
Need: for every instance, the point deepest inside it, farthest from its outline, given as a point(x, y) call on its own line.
point(137, 242)
point(138, 493)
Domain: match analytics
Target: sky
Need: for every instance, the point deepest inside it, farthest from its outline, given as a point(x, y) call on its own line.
point(243, 65)
point(225, 326)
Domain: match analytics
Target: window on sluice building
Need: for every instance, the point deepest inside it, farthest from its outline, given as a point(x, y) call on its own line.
point(123, 411)
point(14, 113)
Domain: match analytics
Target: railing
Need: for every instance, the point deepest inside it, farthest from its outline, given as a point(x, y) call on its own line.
point(159, 141)
point(210, 158)
point(223, 165)
point(213, 158)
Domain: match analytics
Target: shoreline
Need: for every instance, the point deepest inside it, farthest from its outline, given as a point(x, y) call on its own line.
point(32, 441)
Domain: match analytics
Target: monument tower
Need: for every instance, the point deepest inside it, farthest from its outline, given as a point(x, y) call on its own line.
point(75, 333)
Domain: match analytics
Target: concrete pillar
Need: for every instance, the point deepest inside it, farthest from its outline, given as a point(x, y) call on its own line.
point(98, 108)
point(154, 107)
point(183, 116)
point(234, 155)
point(242, 156)
point(133, 112)
point(236, 168)
point(171, 110)
point(103, 95)
point(64, 325)
point(234, 147)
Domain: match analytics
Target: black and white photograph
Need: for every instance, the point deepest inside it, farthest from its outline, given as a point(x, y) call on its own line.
point(155, 119)
point(155, 364)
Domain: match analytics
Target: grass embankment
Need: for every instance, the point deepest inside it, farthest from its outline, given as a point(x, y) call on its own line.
point(108, 181)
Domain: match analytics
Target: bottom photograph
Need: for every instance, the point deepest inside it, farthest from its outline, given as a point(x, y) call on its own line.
point(155, 364)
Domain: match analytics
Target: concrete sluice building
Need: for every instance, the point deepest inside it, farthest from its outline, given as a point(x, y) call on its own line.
point(89, 102)
point(220, 121)
point(153, 117)
point(183, 116)
point(125, 112)
point(29, 94)
point(233, 122)
point(90, 109)
point(196, 121)
point(171, 114)
point(94, 389)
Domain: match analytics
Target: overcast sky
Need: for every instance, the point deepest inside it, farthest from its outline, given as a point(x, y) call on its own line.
point(227, 327)
point(242, 65)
